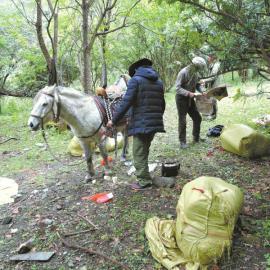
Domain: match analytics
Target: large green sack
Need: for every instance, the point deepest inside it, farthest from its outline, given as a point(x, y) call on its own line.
point(75, 149)
point(207, 211)
point(244, 141)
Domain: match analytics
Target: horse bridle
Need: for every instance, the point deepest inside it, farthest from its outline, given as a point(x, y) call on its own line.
point(56, 99)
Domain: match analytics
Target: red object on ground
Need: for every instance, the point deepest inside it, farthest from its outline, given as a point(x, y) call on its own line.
point(102, 162)
point(99, 197)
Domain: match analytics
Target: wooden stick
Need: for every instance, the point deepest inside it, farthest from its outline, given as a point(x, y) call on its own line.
point(76, 233)
point(88, 221)
point(92, 252)
point(12, 138)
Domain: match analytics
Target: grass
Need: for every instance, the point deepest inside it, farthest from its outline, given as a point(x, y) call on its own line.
point(27, 161)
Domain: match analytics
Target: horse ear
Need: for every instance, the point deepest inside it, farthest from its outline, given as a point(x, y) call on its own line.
point(49, 89)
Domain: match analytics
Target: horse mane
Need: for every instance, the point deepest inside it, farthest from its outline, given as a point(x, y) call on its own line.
point(66, 91)
point(71, 92)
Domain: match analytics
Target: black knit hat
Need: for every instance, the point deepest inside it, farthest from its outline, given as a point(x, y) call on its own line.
point(142, 62)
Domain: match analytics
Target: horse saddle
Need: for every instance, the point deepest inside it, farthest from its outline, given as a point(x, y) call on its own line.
point(111, 92)
point(108, 108)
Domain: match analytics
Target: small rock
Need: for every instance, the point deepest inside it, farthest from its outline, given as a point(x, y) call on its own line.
point(25, 247)
point(6, 220)
point(47, 221)
point(83, 268)
point(114, 179)
point(59, 207)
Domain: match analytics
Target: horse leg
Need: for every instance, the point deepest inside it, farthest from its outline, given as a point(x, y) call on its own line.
point(104, 154)
point(125, 146)
point(88, 158)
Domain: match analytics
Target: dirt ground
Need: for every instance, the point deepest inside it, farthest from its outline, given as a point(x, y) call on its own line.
point(49, 204)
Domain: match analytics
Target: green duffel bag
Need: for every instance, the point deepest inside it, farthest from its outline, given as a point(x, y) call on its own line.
point(244, 141)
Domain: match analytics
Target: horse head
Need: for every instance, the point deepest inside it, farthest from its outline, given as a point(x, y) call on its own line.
point(43, 107)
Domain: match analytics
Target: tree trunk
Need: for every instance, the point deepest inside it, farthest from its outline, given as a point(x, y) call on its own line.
point(87, 79)
point(104, 76)
point(51, 62)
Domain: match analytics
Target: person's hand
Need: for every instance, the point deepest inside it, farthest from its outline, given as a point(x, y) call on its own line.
point(191, 94)
point(109, 124)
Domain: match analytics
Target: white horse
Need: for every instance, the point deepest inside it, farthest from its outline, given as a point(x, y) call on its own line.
point(81, 113)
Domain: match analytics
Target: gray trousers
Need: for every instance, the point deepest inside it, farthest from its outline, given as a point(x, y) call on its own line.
point(187, 105)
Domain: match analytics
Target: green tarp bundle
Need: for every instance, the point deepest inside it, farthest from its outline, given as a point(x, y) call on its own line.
point(207, 211)
point(75, 149)
point(244, 141)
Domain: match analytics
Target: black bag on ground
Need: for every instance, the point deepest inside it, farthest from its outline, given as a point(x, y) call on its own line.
point(215, 131)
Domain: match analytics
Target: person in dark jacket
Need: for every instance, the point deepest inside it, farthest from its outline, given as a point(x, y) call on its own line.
point(145, 102)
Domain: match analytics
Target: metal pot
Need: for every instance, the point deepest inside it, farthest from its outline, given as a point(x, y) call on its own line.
point(169, 169)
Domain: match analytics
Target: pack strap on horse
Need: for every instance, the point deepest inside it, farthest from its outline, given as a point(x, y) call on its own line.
point(104, 105)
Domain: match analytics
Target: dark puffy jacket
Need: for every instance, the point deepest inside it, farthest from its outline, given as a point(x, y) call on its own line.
point(145, 99)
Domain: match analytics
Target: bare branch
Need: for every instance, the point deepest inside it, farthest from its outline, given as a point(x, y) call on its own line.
point(23, 12)
point(220, 13)
point(123, 23)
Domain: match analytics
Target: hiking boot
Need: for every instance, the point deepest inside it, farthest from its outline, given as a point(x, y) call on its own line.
point(183, 145)
point(138, 186)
